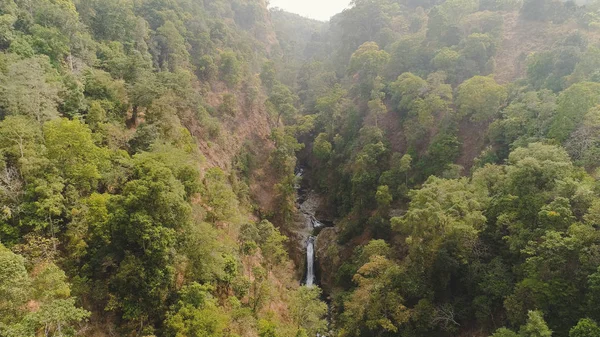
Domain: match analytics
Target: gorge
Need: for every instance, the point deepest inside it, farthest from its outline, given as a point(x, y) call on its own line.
point(216, 168)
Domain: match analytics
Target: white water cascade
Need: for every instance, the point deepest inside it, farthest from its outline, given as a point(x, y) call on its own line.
point(310, 262)
point(307, 204)
point(307, 226)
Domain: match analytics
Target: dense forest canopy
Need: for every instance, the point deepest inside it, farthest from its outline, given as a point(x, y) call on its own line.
point(150, 150)
point(455, 145)
point(128, 170)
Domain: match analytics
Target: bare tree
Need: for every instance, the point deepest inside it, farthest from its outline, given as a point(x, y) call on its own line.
point(480, 249)
point(444, 316)
point(586, 137)
point(11, 188)
point(581, 141)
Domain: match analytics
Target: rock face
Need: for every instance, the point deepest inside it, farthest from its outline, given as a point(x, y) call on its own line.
point(328, 258)
point(303, 227)
point(306, 225)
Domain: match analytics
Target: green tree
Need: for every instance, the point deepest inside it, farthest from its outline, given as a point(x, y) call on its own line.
point(587, 68)
point(455, 10)
point(58, 317)
point(535, 326)
point(142, 230)
point(267, 75)
point(309, 311)
point(584, 143)
point(532, 175)
point(441, 224)
point(172, 49)
point(283, 159)
point(377, 108)
point(271, 242)
point(480, 98)
point(477, 50)
point(593, 282)
point(447, 60)
point(406, 90)
point(230, 68)
point(375, 306)
point(573, 104)
point(405, 166)
point(504, 332)
point(196, 314)
point(284, 101)
point(20, 136)
point(14, 285)
point(330, 107)
point(367, 166)
point(222, 203)
point(72, 150)
point(112, 94)
point(142, 93)
point(56, 314)
point(585, 328)
point(540, 66)
point(383, 196)
point(526, 119)
point(110, 20)
point(29, 88)
point(366, 64)
point(267, 329)
point(207, 69)
point(51, 42)
point(322, 147)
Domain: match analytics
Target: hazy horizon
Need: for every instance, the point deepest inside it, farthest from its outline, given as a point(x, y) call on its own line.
point(315, 9)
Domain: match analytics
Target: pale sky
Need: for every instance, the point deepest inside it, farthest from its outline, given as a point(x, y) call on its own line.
point(314, 9)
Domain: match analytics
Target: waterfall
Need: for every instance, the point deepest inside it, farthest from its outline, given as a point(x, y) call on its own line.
point(315, 223)
point(307, 227)
point(310, 261)
point(307, 207)
point(299, 174)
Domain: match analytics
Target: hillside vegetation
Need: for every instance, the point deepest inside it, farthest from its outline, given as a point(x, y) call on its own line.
point(141, 172)
point(148, 151)
point(457, 145)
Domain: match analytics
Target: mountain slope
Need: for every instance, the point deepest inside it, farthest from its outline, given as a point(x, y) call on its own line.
point(445, 136)
point(142, 159)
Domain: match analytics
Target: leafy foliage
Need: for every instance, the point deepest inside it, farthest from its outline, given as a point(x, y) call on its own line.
point(105, 118)
point(147, 177)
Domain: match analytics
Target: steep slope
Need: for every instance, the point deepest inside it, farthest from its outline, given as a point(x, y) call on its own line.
point(143, 161)
point(521, 38)
point(445, 134)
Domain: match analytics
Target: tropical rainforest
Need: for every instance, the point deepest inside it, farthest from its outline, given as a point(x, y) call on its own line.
point(150, 153)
